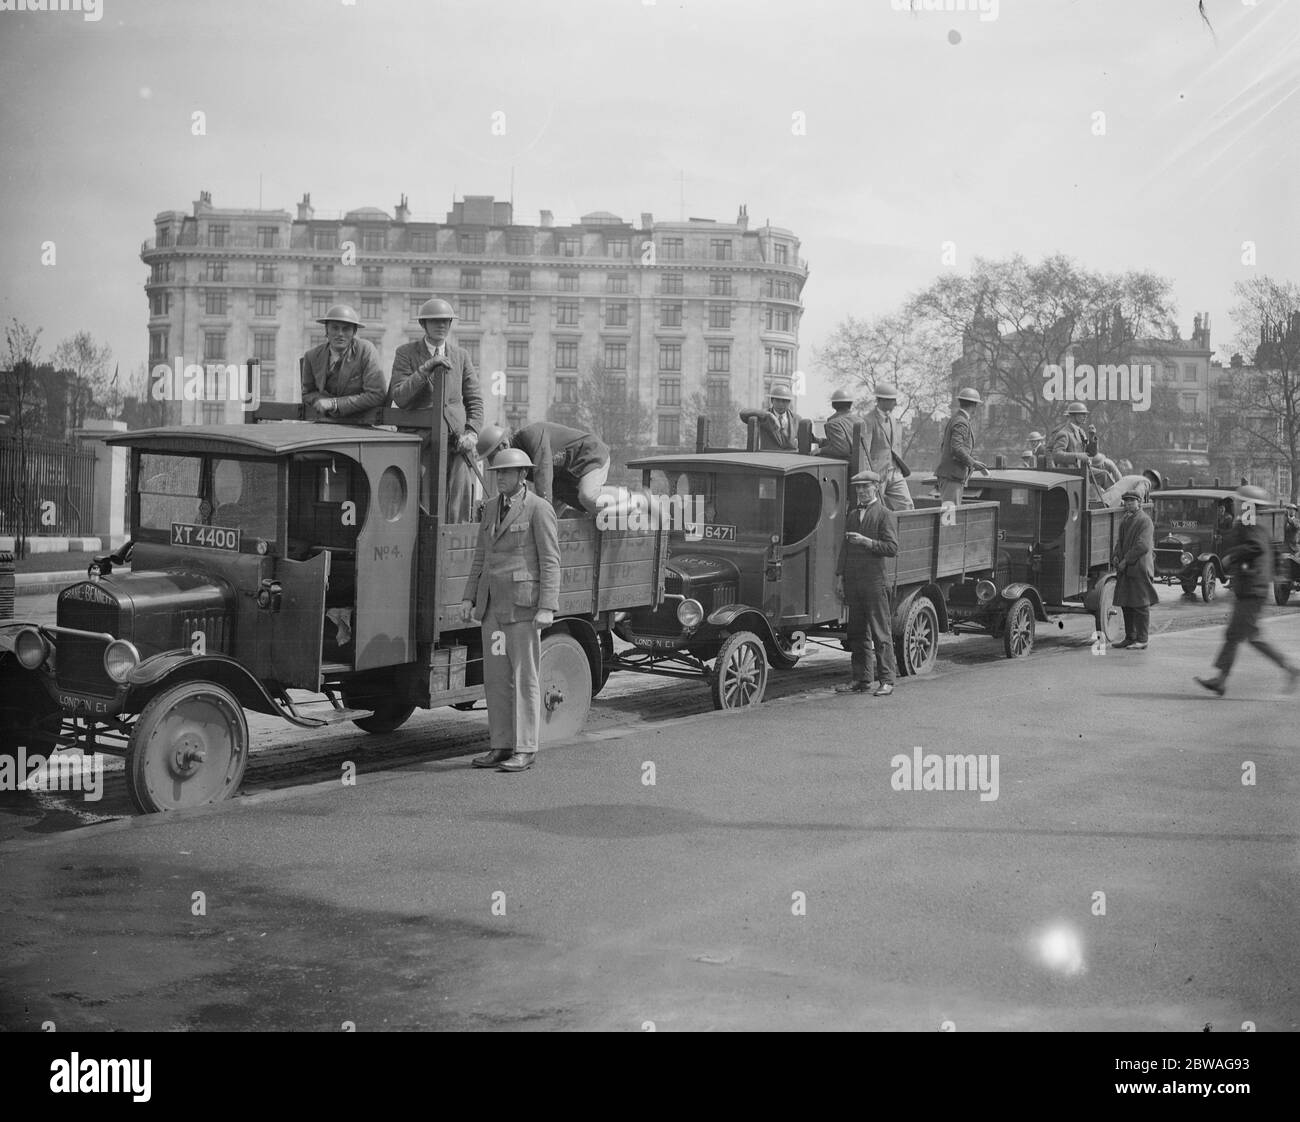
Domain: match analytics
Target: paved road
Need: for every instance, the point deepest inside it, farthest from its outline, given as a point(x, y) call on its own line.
point(771, 877)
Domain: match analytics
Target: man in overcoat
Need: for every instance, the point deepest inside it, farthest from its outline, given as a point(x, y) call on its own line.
point(433, 373)
point(778, 426)
point(1250, 559)
point(870, 536)
point(957, 449)
point(342, 379)
point(884, 440)
point(513, 589)
point(1134, 561)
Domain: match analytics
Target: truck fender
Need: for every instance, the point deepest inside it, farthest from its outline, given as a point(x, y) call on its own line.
point(741, 617)
point(155, 674)
point(1015, 591)
point(1218, 564)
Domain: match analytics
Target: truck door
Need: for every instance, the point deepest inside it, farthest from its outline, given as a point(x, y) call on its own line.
point(296, 629)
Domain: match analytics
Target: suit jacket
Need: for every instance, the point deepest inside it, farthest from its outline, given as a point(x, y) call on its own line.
point(881, 450)
point(769, 434)
point(839, 436)
point(1249, 558)
point(561, 456)
point(1134, 560)
point(358, 384)
point(1070, 438)
point(957, 448)
point(454, 391)
point(516, 567)
point(863, 566)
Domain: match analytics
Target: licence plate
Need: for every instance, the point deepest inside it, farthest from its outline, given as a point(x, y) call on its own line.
point(205, 537)
point(719, 533)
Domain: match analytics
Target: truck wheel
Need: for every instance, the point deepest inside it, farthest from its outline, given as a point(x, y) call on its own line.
point(740, 673)
point(188, 748)
point(1281, 592)
point(388, 713)
point(565, 682)
point(606, 643)
point(1018, 632)
point(919, 645)
point(1110, 619)
point(1189, 585)
point(1207, 582)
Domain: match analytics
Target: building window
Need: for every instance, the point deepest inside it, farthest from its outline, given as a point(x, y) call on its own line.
point(214, 302)
point(615, 356)
point(674, 249)
point(372, 241)
point(777, 319)
point(670, 356)
point(720, 249)
point(672, 315)
point(1189, 372)
point(159, 304)
point(267, 380)
point(268, 237)
point(322, 274)
point(471, 309)
point(517, 388)
point(671, 284)
point(416, 302)
point(520, 245)
point(214, 346)
point(469, 279)
point(719, 359)
point(212, 413)
point(372, 276)
point(421, 276)
point(158, 346)
point(520, 281)
point(164, 237)
point(265, 274)
point(719, 315)
point(320, 304)
point(670, 391)
point(616, 247)
point(566, 356)
point(517, 311)
point(719, 285)
point(616, 315)
point(216, 271)
point(1169, 371)
point(570, 247)
point(517, 353)
point(781, 253)
point(324, 239)
point(717, 393)
point(568, 282)
point(162, 271)
point(776, 360)
point(566, 313)
point(218, 233)
point(473, 243)
point(1189, 403)
point(372, 308)
point(778, 289)
point(423, 241)
point(470, 347)
point(566, 391)
point(264, 346)
point(670, 430)
point(616, 282)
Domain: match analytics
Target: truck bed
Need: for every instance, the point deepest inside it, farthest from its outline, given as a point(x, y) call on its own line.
point(928, 550)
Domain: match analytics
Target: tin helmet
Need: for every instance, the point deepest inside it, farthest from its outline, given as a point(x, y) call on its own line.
point(1252, 494)
point(341, 313)
point(1156, 480)
point(970, 395)
point(780, 392)
point(490, 439)
point(510, 458)
point(1075, 408)
point(1036, 436)
point(841, 397)
point(435, 308)
point(886, 391)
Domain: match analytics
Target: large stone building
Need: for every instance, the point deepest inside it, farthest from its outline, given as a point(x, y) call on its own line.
point(665, 309)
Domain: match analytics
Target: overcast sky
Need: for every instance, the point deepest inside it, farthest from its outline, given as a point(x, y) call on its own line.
point(921, 128)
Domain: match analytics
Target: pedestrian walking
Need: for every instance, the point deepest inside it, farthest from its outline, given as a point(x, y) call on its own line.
point(871, 535)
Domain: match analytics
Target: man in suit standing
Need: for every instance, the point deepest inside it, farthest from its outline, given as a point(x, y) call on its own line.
point(1071, 444)
point(884, 439)
point(957, 449)
point(871, 535)
point(432, 373)
point(1134, 561)
point(838, 444)
point(1250, 559)
point(342, 380)
point(778, 427)
point(514, 590)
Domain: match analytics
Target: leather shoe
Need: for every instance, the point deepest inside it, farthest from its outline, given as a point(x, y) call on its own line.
point(1214, 685)
point(1137, 646)
point(520, 761)
point(1125, 642)
point(491, 759)
point(853, 687)
point(884, 689)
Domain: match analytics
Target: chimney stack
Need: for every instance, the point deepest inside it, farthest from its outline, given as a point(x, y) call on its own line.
point(305, 210)
point(647, 220)
point(401, 212)
point(548, 219)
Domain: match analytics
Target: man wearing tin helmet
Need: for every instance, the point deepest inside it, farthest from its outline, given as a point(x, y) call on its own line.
point(778, 427)
point(1249, 558)
point(884, 440)
point(342, 379)
point(871, 535)
point(838, 442)
point(957, 449)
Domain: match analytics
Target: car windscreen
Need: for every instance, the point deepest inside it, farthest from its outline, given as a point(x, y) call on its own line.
point(735, 504)
point(1187, 512)
point(209, 491)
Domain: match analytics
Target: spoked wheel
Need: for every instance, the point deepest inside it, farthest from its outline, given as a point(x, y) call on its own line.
point(1207, 582)
point(565, 681)
point(388, 713)
point(740, 673)
point(1018, 634)
point(1189, 585)
point(1110, 619)
point(189, 748)
point(919, 646)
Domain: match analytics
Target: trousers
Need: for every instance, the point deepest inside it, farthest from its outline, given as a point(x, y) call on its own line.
point(512, 657)
point(1136, 622)
point(894, 492)
point(950, 490)
point(869, 619)
point(1243, 627)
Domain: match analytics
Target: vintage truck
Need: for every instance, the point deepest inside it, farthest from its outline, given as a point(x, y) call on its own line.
point(280, 556)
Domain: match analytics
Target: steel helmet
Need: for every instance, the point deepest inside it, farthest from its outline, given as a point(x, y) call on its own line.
point(1036, 435)
point(885, 390)
point(1156, 480)
point(489, 439)
point(510, 458)
point(971, 395)
point(780, 392)
point(436, 308)
point(1076, 407)
point(1252, 494)
point(841, 397)
point(341, 313)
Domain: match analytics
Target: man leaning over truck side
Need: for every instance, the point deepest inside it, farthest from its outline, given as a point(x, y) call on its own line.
point(342, 379)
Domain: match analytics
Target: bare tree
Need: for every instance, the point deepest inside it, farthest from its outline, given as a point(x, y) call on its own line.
point(23, 395)
point(87, 362)
point(722, 413)
point(617, 416)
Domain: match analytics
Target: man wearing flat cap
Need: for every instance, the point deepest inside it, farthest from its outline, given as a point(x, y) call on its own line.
point(1134, 561)
point(778, 426)
point(870, 536)
point(884, 440)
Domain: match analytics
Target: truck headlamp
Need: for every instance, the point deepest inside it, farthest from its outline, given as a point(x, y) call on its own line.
point(120, 659)
point(690, 614)
point(1185, 558)
point(31, 647)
